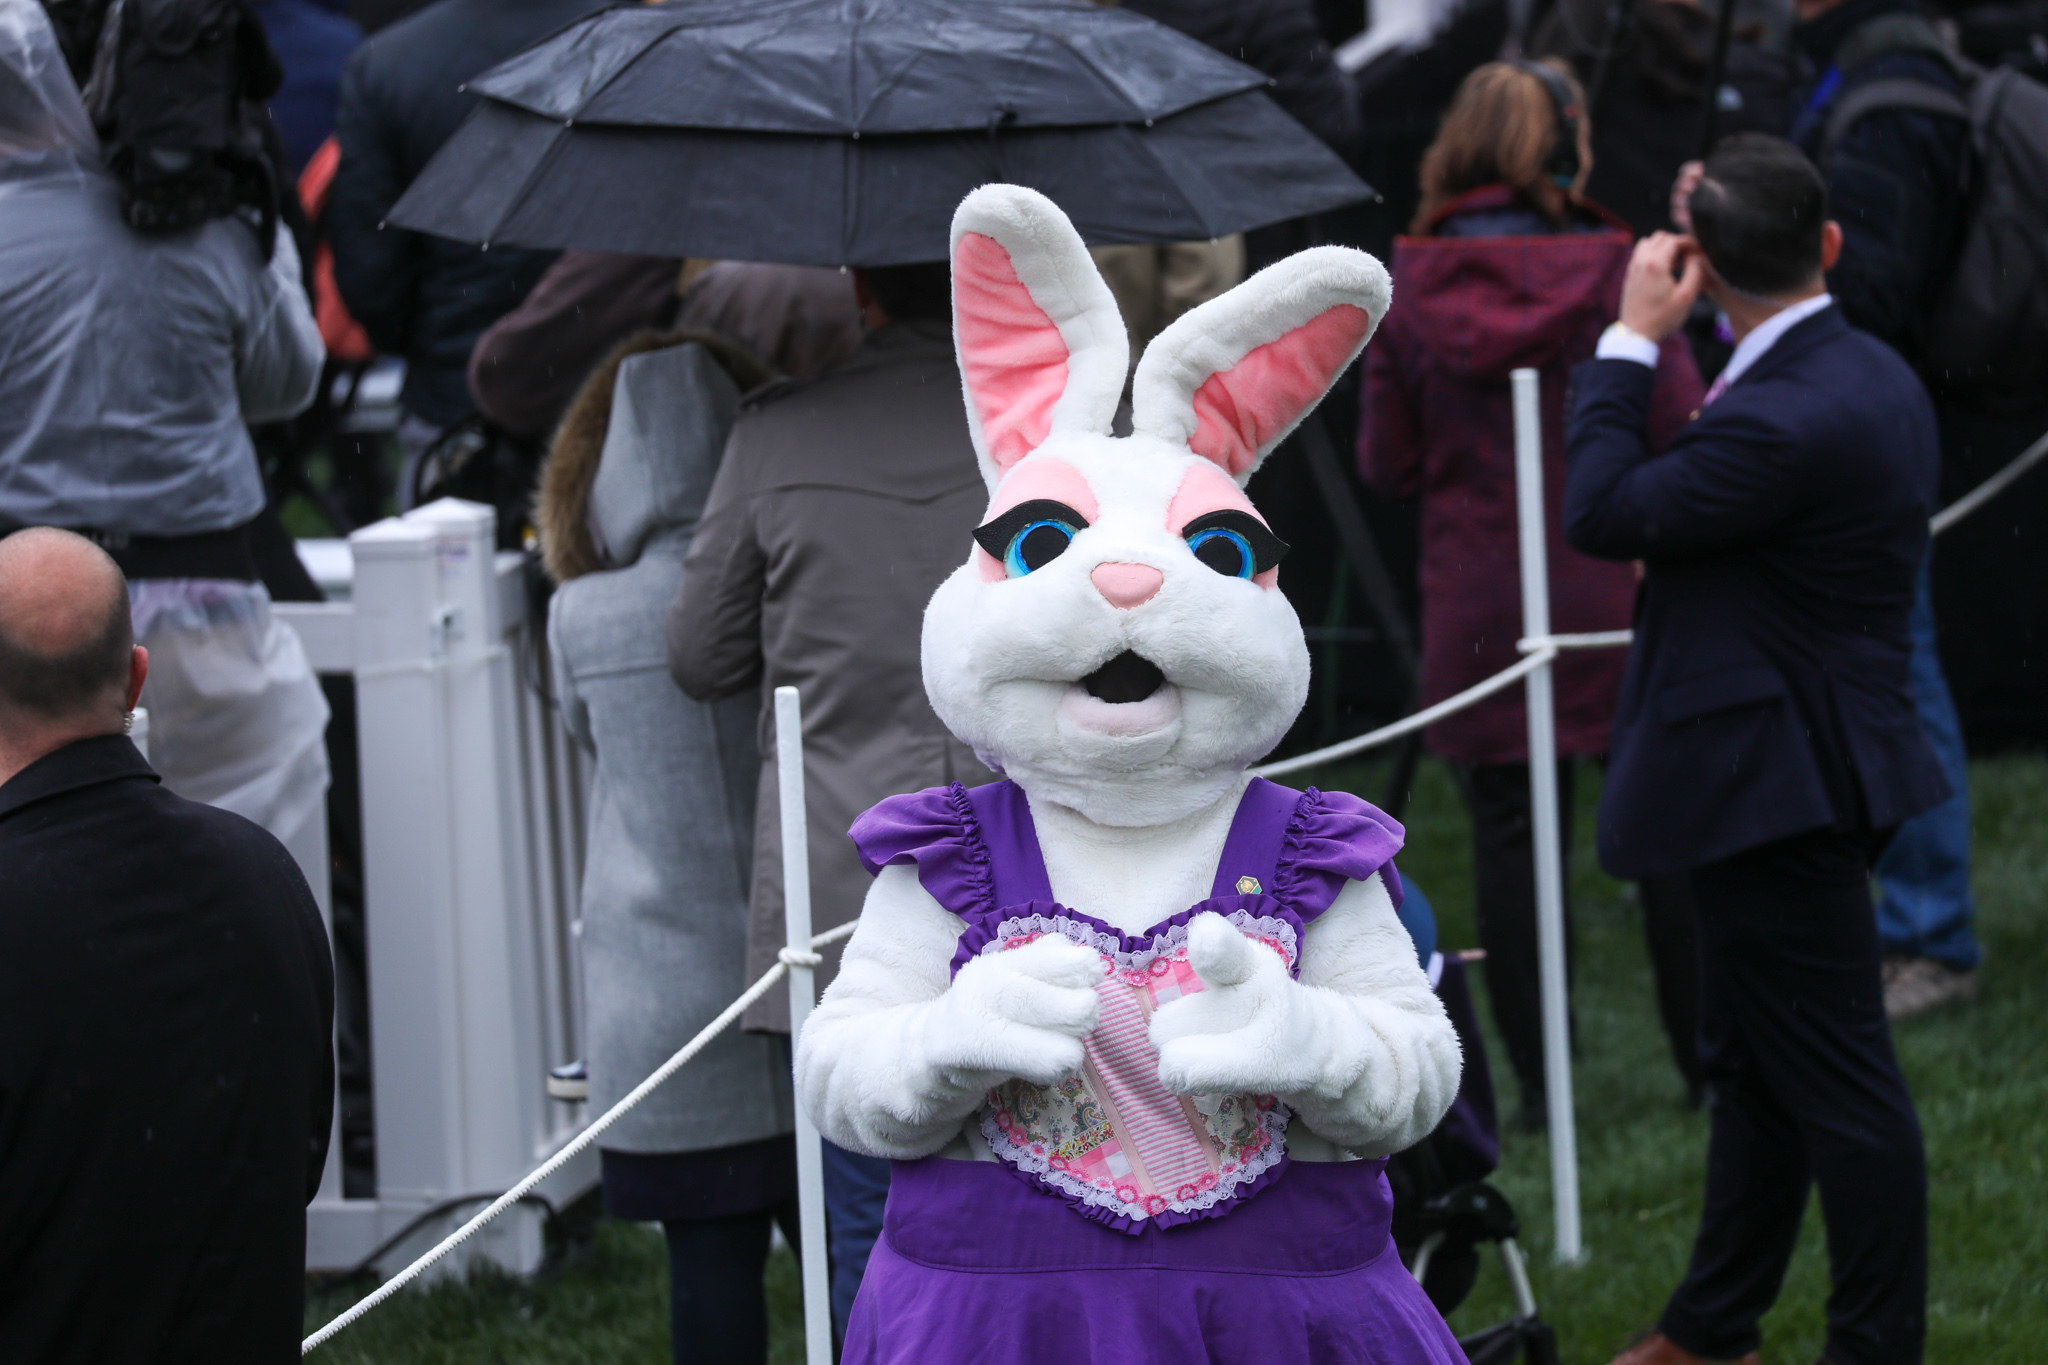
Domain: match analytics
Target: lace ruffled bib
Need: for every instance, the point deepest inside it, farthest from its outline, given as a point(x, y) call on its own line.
point(1113, 1142)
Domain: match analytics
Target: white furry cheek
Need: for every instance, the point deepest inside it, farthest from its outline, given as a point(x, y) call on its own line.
point(1132, 719)
point(945, 651)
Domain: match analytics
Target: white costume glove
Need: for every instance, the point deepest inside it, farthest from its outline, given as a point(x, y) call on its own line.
point(895, 1056)
point(1252, 1028)
point(1022, 1012)
point(1368, 1062)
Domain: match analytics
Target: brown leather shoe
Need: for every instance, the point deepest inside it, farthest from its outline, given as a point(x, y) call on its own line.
point(1658, 1349)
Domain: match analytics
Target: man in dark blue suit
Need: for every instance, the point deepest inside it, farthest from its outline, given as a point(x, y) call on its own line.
point(1765, 743)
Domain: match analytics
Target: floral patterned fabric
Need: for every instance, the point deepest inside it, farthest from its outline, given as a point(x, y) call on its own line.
point(1114, 1141)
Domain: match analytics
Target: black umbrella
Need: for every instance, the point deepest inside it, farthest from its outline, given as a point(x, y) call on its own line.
point(844, 132)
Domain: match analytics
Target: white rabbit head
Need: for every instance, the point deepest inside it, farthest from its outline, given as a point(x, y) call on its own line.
point(1117, 641)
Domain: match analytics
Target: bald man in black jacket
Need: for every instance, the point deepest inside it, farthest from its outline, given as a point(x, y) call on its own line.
point(166, 1008)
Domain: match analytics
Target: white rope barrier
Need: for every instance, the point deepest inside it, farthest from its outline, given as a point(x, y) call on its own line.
point(1592, 639)
point(582, 1140)
point(1990, 488)
point(1537, 650)
point(1429, 715)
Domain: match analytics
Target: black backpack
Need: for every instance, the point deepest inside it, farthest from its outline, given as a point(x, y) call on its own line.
point(1985, 341)
point(177, 91)
point(479, 461)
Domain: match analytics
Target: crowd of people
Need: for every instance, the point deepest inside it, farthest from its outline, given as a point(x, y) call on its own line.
point(747, 475)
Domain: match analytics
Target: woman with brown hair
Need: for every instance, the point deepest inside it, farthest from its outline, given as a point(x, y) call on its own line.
point(1517, 127)
point(1510, 265)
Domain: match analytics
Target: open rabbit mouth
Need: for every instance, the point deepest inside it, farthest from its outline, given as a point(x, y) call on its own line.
point(1127, 697)
point(1129, 677)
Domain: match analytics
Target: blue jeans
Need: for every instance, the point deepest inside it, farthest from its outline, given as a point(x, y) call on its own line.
point(1924, 907)
point(856, 1188)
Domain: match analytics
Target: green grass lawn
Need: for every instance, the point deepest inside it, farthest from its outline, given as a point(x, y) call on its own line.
point(1979, 1073)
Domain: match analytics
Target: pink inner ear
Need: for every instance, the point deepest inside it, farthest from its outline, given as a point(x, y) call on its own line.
point(1013, 356)
point(1242, 410)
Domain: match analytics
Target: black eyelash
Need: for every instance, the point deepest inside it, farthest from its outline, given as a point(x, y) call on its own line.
point(1267, 549)
point(995, 536)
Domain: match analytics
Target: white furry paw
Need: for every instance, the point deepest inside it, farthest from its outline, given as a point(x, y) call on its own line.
point(1022, 1012)
point(1246, 1031)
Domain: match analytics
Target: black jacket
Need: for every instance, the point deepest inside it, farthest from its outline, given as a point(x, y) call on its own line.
point(1648, 81)
point(1280, 38)
point(1894, 183)
point(1781, 535)
point(166, 1075)
point(426, 298)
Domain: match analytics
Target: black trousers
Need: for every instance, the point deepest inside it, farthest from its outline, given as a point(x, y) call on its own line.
point(1806, 1090)
point(718, 1314)
point(1504, 866)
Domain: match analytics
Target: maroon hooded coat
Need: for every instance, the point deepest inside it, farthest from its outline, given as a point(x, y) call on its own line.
point(1437, 422)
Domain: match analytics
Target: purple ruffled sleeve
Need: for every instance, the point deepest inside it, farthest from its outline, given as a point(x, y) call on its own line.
point(1335, 838)
point(936, 830)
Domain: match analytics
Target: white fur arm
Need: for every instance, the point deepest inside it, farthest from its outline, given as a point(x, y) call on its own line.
point(894, 1057)
point(1359, 1047)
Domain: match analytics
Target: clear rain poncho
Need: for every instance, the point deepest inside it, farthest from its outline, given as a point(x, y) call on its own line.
point(128, 366)
point(41, 115)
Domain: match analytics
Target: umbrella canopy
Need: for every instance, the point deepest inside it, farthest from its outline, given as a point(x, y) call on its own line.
point(844, 132)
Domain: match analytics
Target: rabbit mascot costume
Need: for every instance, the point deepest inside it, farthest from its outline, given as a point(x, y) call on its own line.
point(1138, 1029)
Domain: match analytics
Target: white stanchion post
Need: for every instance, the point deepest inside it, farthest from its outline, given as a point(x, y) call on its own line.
point(1557, 1059)
point(803, 993)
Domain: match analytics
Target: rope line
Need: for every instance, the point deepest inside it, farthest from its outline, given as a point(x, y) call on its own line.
point(1594, 639)
point(1990, 488)
point(570, 1151)
point(1507, 677)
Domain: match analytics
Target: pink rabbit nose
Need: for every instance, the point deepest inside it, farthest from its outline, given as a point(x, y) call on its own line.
point(1127, 585)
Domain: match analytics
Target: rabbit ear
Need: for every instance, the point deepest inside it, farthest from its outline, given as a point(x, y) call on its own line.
point(1232, 377)
point(1042, 348)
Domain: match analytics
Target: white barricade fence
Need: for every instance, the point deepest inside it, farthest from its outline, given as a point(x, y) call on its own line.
point(473, 829)
point(1540, 649)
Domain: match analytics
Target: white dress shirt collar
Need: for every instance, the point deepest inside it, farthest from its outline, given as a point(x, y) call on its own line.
point(1619, 343)
point(1751, 348)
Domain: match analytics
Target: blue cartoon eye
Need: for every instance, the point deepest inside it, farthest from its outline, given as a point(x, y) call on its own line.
point(1227, 552)
point(1036, 546)
point(1030, 535)
point(1233, 543)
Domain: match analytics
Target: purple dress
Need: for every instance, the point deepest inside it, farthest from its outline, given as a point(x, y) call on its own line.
point(1122, 1222)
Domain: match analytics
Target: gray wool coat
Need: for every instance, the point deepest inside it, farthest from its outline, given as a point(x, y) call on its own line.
point(841, 505)
point(666, 879)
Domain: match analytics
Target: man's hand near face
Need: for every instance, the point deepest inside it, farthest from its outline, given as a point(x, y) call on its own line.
point(1689, 176)
point(1665, 275)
